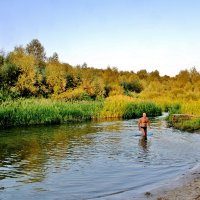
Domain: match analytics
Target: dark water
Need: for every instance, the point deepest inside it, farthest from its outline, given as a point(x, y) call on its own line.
point(95, 160)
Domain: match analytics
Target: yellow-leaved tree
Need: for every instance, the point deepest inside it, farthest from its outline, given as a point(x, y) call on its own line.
point(27, 78)
point(56, 77)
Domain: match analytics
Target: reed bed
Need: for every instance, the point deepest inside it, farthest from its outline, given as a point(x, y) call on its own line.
point(46, 111)
point(126, 107)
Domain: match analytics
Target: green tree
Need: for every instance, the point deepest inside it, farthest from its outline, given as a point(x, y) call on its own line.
point(73, 81)
point(36, 49)
point(54, 58)
point(134, 86)
point(2, 57)
point(9, 74)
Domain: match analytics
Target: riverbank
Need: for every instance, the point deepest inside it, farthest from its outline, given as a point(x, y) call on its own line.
point(33, 111)
point(188, 189)
point(185, 122)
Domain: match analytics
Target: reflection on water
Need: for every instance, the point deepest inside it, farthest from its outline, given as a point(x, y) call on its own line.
point(91, 160)
point(143, 143)
point(29, 150)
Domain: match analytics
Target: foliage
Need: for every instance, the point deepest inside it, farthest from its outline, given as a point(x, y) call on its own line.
point(46, 111)
point(26, 79)
point(188, 125)
point(36, 49)
point(72, 81)
point(49, 111)
point(27, 72)
point(191, 107)
point(2, 57)
point(54, 58)
point(6, 95)
point(55, 77)
point(41, 76)
point(135, 110)
point(9, 74)
point(77, 94)
point(126, 107)
point(134, 86)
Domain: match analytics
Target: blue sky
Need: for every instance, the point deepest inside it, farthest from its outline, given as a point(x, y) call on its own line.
point(127, 34)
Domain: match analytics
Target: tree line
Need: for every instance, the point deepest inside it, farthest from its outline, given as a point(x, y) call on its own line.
point(28, 72)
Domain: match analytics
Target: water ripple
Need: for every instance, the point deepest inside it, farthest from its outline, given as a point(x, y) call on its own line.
point(102, 160)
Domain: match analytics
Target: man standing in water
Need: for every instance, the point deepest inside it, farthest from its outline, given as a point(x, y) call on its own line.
point(142, 124)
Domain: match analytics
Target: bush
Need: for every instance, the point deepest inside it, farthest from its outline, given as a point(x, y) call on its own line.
point(73, 95)
point(135, 110)
point(135, 86)
point(6, 95)
point(9, 75)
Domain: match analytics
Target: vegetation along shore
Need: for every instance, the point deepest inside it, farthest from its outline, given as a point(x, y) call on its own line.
point(36, 89)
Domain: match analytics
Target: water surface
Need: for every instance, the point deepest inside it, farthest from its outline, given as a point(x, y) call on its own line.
point(93, 160)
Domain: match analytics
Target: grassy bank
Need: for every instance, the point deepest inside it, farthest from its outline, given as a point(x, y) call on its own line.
point(190, 120)
point(127, 107)
point(47, 111)
point(189, 125)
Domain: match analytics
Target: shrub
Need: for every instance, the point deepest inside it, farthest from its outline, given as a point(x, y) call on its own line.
point(73, 95)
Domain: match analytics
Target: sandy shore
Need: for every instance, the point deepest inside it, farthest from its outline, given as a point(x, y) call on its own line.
point(187, 188)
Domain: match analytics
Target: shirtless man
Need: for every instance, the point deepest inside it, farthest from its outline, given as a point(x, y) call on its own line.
point(142, 124)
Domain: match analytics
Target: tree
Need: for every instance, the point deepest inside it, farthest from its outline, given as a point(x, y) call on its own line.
point(183, 78)
point(155, 75)
point(9, 74)
point(27, 77)
point(84, 65)
point(2, 57)
point(36, 49)
point(134, 86)
point(54, 58)
point(55, 77)
point(142, 74)
point(72, 81)
point(194, 75)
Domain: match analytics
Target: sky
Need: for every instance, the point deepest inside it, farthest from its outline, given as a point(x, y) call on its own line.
point(131, 35)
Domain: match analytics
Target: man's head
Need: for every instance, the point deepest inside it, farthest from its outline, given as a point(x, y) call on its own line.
point(144, 115)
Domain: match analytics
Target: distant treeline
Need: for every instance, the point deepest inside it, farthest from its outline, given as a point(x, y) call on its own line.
point(27, 72)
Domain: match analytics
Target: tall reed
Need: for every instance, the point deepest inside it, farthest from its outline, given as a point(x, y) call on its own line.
point(46, 111)
point(127, 107)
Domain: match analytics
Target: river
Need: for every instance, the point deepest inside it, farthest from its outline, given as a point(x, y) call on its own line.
point(92, 160)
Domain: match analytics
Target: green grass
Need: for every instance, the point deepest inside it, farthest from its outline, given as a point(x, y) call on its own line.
point(46, 111)
point(24, 112)
point(190, 125)
point(187, 123)
point(127, 107)
point(135, 110)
